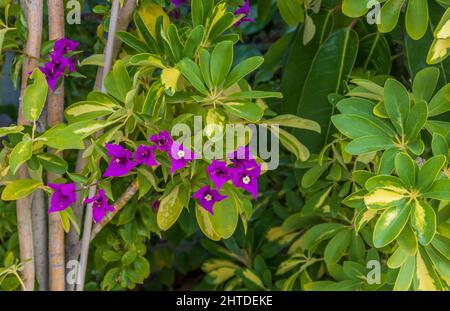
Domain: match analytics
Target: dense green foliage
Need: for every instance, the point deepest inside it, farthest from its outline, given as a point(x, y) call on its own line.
point(364, 172)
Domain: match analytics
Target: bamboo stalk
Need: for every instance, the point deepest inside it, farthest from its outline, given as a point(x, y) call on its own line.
point(23, 206)
point(39, 215)
point(55, 111)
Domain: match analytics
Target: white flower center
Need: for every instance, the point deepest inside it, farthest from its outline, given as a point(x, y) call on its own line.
point(246, 180)
point(180, 153)
point(208, 197)
point(117, 160)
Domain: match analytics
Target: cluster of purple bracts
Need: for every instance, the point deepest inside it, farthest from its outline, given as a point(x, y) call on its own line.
point(243, 172)
point(59, 63)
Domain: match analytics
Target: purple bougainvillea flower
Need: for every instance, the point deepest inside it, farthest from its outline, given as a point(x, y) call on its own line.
point(61, 63)
point(207, 197)
point(55, 69)
point(247, 180)
point(63, 196)
point(63, 46)
point(99, 206)
point(245, 10)
point(51, 73)
point(155, 205)
point(144, 155)
point(178, 3)
point(163, 141)
point(219, 173)
point(241, 158)
point(121, 161)
point(180, 156)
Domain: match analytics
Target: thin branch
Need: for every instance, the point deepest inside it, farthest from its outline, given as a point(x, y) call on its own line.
point(92, 190)
point(73, 245)
point(55, 110)
point(118, 205)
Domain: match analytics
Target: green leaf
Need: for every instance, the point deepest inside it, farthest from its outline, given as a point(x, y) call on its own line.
point(364, 109)
point(221, 61)
point(439, 191)
point(374, 53)
point(245, 110)
point(405, 275)
point(337, 246)
point(300, 59)
point(204, 222)
point(390, 225)
point(21, 153)
point(387, 161)
point(383, 198)
point(88, 110)
point(389, 15)
point(355, 126)
point(440, 262)
point(20, 188)
point(193, 41)
point(94, 60)
point(291, 11)
point(65, 222)
point(250, 278)
point(353, 8)
point(416, 20)
point(367, 144)
point(425, 277)
point(118, 82)
point(10, 130)
point(169, 79)
point(291, 143)
point(241, 70)
point(53, 163)
point(253, 95)
point(320, 233)
point(440, 103)
point(429, 172)
point(423, 221)
point(416, 120)
point(171, 206)
point(151, 43)
point(398, 258)
point(35, 96)
point(88, 127)
point(385, 181)
point(62, 137)
point(425, 82)
point(204, 63)
point(225, 218)
point(407, 241)
point(132, 41)
point(439, 145)
point(406, 169)
point(396, 102)
point(312, 175)
point(191, 72)
point(331, 66)
point(291, 120)
point(442, 244)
